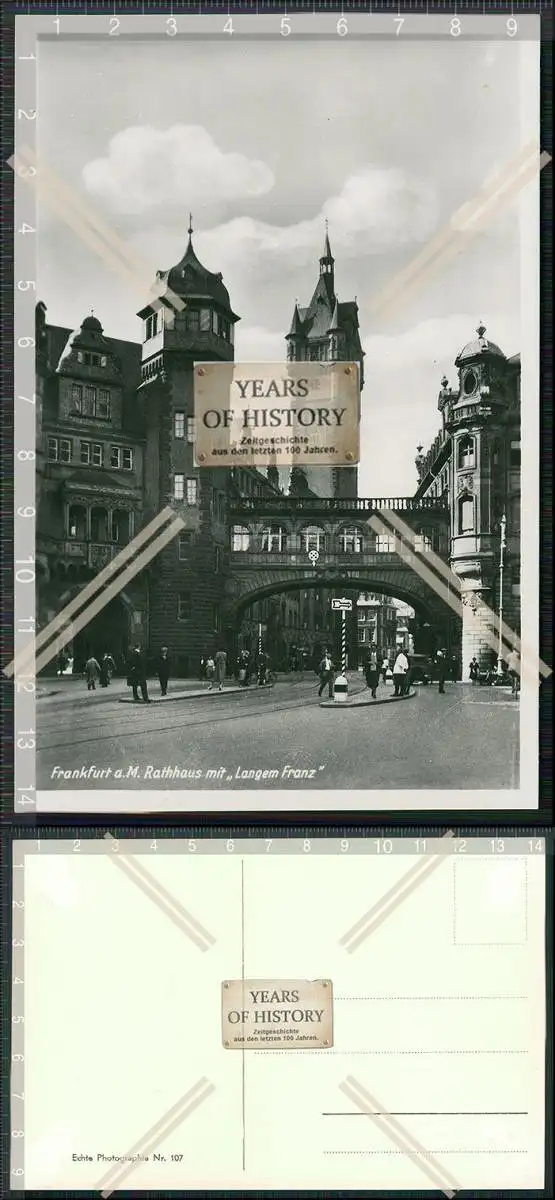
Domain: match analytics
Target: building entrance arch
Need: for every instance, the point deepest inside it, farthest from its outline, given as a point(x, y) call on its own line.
point(109, 632)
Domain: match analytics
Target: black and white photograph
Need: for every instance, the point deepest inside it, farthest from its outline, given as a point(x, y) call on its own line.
point(287, 636)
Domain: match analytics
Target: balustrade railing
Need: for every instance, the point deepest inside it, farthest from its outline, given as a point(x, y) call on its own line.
point(312, 504)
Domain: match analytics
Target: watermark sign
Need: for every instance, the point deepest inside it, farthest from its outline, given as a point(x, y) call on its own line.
point(277, 414)
point(277, 1014)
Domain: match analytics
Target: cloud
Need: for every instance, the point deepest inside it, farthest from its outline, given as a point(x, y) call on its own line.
point(376, 211)
point(147, 167)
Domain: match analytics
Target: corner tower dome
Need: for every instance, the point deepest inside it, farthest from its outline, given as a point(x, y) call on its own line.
point(479, 347)
point(190, 278)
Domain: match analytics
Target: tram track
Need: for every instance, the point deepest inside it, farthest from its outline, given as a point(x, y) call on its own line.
point(125, 724)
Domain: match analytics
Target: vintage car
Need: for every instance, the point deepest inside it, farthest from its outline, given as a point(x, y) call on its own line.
point(421, 669)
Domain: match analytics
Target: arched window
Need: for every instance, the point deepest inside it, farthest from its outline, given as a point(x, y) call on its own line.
point(313, 538)
point(99, 525)
point(120, 527)
point(466, 453)
point(423, 542)
point(274, 539)
point(77, 526)
point(466, 514)
point(350, 540)
point(240, 538)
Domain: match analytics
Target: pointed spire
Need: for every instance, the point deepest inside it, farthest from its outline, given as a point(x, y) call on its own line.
point(327, 247)
point(327, 257)
point(296, 323)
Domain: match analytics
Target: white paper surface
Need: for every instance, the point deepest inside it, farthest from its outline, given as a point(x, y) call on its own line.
point(438, 1015)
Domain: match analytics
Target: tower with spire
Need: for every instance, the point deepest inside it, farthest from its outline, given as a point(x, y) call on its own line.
point(190, 320)
point(327, 331)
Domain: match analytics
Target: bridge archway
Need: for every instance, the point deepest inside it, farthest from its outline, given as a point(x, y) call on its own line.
point(434, 622)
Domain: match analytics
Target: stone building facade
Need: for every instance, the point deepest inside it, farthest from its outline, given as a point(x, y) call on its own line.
point(475, 462)
point(115, 446)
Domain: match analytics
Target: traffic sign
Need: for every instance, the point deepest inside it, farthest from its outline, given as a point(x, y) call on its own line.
point(342, 605)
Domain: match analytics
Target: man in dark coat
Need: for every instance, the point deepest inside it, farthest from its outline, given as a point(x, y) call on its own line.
point(372, 670)
point(163, 670)
point(136, 675)
point(441, 669)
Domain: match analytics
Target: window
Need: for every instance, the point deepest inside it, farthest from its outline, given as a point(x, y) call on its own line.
point(60, 449)
point(274, 539)
point(184, 546)
point(91, 454)
point(205, 320)
point(240, 538)
point(422, 543)
point(103, 405)
point(179, 424)
point(178, 487)
point(121, 456)
point(77, 396)
point(351, 540)
point(79, 356)
point(215, 322)
point(466, 456)
point(89, 399)
point(151, 326)
point(514, 457)
point(192, 320)
point(190, 430)
point(184, 606)
point(192, 491)
point(466, 514)
point(120, 526)
point(99, 525)
point(313, 538)
point(385, 544)
point(103, 361)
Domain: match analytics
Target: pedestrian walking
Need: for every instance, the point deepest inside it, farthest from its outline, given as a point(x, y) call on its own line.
point(326, 672)
point(210, 671)
point(136, 675)
point(474, 670)
point(163, 670)
point(107, 668)
point(372, 671)
point(441, 668)
point(513, 667)
point(220, 663)
point(92, 673)
point(384, 669)
point(244, 668)
point(400, 668)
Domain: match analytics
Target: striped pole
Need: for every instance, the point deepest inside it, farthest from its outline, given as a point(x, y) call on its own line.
point(343, 642)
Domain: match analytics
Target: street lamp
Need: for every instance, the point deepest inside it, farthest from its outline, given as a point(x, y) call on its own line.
point(501, 569)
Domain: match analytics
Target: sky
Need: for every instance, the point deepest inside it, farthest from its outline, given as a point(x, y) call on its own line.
point(263, 142)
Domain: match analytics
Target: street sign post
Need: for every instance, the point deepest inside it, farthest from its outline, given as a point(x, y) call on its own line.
point(343, 605)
